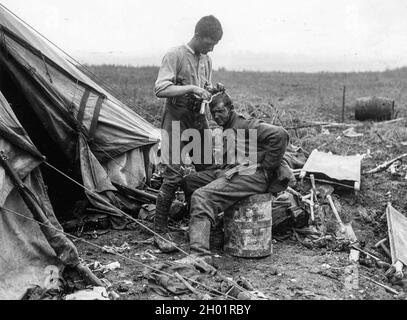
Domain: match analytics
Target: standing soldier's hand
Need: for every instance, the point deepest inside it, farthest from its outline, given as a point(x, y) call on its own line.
point(201, 93)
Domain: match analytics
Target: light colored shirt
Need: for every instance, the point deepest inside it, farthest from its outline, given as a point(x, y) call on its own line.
point(181, 66)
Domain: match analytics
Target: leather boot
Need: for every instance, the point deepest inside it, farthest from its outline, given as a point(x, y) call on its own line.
point(199, 236)
point(164, 201)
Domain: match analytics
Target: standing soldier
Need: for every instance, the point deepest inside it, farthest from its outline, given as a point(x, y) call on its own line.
point(184, 79)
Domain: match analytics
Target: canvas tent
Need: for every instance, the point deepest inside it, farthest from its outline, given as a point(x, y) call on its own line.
point(74, 121)
point(31, 253)
point(50, 110)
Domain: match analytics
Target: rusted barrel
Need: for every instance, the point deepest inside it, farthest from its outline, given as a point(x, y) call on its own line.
point(374, 108)
point(247, 227)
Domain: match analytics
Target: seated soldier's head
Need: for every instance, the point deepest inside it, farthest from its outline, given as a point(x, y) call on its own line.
point(208, 32)
point(221, 108)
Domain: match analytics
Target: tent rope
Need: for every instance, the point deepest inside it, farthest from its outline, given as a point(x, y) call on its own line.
point(118, 254)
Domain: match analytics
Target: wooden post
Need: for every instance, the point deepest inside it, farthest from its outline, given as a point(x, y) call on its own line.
point(343, 103)
point(393, 116)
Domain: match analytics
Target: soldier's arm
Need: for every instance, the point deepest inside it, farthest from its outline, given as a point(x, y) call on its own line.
point(275, 140)
point(165, 85)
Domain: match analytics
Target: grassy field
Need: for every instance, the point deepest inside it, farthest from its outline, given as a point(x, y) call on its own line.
point(295, 96)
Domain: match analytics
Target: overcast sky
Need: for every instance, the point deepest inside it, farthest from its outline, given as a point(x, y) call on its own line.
point(289, 35)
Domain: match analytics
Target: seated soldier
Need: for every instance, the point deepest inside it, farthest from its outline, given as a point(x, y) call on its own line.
point(213, 191)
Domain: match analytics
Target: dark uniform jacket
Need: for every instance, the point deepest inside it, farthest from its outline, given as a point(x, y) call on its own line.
point(271, 141)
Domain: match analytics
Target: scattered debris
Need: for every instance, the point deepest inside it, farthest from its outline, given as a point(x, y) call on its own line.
point(107, 283)
point(39, 293)
point(97, 266)
point(379, 263)
point(387, 288)
point(325, 131)
point(113, 295)
point(364, 214)
point(147, 241)
point(351, 133)
point(94, 234)
point(385, 165)
point(354, 255)
point(124, 286)
point(352, 271)
point(95, 293)
point(113, 249)
point(202, 296)
point(367, 155)
point(351, 277)
point(393, 167)
point(147, 255)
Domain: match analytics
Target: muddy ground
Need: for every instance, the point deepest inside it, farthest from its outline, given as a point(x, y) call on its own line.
point(293, 271)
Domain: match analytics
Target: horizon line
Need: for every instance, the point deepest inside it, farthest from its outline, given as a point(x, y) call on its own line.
point(226, 69)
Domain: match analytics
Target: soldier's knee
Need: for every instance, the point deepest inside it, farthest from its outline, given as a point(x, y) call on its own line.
point(199, 195)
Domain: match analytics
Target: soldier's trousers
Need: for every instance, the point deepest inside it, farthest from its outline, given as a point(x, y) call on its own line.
point(172, 146)
point(211, 193)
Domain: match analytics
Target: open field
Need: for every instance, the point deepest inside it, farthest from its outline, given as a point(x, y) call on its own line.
point(293, 271)
point(302, 96)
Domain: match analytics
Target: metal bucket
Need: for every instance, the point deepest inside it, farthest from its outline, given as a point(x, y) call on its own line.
point(247, 227)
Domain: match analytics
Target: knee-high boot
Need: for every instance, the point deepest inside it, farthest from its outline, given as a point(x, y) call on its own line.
point(199, 236)
point(164, 200)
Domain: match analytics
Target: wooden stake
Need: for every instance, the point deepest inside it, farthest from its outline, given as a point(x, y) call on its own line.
point(343, 103)
point(312, 205)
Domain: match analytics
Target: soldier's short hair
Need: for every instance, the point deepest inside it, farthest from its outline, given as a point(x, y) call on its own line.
point(221, 97)
point(209, 26)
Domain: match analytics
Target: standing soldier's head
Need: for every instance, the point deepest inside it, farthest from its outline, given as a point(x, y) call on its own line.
point(208, 32)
